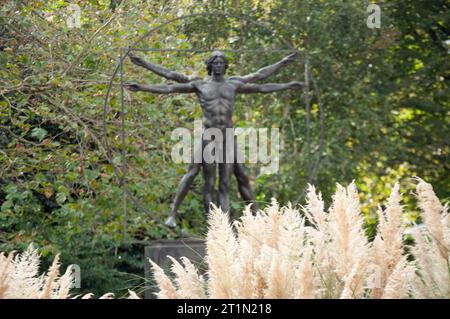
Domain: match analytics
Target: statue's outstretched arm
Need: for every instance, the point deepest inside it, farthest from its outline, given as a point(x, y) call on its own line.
point(161, 71)
point(163, 88)
point(266, 71)
point(269, 87)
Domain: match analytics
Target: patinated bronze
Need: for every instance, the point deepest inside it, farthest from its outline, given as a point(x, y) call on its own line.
point(216, 95)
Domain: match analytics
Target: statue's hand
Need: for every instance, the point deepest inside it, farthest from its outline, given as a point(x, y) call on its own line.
point(290, 57)
point(296, 85)
point(136, 60)
point(132, 87)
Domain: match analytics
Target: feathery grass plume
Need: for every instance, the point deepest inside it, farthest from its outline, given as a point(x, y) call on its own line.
point(398, 285)
point(249, 272)
point(221, 250)
point(387, 250)
point(262, 264)
point(166, 288)
point(190, 284)
point(355, 280)
point(291, 247)
point(435, 217)
point(345, 224)
point(109, 295)
point(324, 279)
point(51, 283)
point(431, 247)
point(314, 209)
point(273, 224)
point(269, 252)
point(279, 251)
point(24, 276)
point(244, 269)
point(349, 247)
point(305, 278)
point(19, 277)
point(5, 270)
point(248, 229)
point(275, 277)
point(66, 282)
point(132, 295)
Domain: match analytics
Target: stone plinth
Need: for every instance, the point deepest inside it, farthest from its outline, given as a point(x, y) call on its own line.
point(158, 251)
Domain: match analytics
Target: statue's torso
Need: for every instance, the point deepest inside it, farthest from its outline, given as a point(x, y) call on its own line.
point(217, 102)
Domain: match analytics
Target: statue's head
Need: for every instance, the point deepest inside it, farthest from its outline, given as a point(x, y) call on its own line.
point(216, 63)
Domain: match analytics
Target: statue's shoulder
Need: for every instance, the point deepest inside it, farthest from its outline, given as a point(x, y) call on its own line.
point(198, 82)
point(234, 80)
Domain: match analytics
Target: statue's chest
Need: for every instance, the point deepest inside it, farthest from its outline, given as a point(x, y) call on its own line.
point(214, 91)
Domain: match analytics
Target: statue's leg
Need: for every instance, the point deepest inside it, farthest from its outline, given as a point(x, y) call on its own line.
point(244, 186)
point(209, 174)
point(243, 182)
point(223, 197)
point(183, 187)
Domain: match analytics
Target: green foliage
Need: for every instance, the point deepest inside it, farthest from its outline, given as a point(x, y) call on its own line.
point(383, 94)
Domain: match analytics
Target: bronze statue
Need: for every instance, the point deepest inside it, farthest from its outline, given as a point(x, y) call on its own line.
point(216, 95)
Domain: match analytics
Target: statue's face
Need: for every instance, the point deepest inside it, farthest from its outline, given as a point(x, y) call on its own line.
point(218, 66)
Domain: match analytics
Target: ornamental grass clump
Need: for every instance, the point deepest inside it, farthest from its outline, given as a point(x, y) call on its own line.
point(281, 252)
point(20, 278)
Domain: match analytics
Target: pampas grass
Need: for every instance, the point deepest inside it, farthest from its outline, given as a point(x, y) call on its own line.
point(279, 252)
point(432, 246)
point(20, 279)
point(282, 252)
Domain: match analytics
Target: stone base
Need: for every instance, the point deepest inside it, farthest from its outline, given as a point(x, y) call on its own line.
point(158, 251)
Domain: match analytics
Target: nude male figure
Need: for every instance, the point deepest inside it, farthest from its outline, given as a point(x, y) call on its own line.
point(216, 95)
